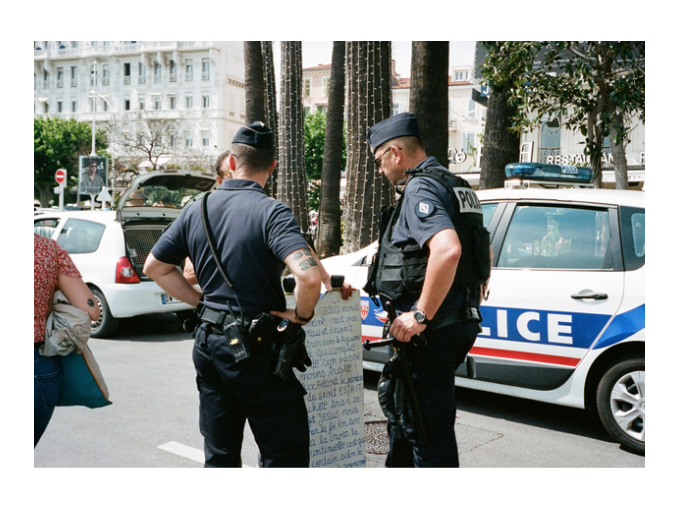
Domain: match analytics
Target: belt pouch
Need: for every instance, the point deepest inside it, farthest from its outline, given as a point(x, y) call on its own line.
point(237, 338)
point(262, 329)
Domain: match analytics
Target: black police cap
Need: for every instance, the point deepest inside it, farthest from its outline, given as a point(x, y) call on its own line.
point(404, 124)
point(256, 135)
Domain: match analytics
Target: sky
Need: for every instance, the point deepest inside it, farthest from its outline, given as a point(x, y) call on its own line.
point(320, 52)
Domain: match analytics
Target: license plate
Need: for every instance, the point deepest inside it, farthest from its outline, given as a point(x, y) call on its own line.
point(167, 299)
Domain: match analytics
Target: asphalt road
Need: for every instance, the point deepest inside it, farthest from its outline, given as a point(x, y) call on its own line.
point(153, 421)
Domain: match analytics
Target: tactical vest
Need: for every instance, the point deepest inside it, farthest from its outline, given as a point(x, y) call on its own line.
point(398, 272)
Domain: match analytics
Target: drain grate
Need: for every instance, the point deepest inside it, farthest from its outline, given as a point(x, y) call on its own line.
point(377, 441)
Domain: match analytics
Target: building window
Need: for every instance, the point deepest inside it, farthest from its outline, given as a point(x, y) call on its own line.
point(307, 88)
point(173, 140)
point(46, 79)
point(173, 102)
point(189, 70)
point(126, 73)
point(205, 138)
point(74, 76)
point(59, 106)
point(460, 76)
point(157, 102)
point(205, 69)
point(550, 139)
point(189, 104)
point(188, 142)
point(156, 72)
point(74, 106)
point(127, 105)
point(173, 71)
point(105, 74)
point(142, 103)
point(142, 73)
point(60, 77)
point(206, 101)
point(326, 82)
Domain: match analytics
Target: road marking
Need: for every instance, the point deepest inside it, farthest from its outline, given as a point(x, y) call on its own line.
point(187, 452)
point(184, 451)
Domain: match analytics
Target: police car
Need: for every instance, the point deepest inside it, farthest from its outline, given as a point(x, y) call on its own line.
point(565, 319)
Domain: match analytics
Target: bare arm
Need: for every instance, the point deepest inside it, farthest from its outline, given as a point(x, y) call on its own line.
point(445, 251)
point(305, 269)
point(168, 277)
point(79, 295)
point(189, 273)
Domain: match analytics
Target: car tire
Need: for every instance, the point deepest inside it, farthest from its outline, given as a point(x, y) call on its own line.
point(107, 324)
point(621, 402)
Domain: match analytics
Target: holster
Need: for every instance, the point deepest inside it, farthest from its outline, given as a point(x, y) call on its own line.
point(292, 352)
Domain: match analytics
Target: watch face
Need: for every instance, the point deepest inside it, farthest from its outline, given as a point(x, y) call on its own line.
point(419, 316)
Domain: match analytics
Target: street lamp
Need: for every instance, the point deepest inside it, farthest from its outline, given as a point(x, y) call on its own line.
point(94, 108)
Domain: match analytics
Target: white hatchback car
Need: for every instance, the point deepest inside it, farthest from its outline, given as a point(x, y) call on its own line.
point(565, 319)
point(109, 247)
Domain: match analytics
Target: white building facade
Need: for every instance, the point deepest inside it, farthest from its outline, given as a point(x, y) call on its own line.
point(465, 116)
point(196, 86)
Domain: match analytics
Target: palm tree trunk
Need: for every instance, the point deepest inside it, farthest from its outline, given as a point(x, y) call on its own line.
point(501, 145)
point(271, 118)
point(292, 182)
point(254, 81)
point(368, 69)
point(429, 95)
point(329, 208)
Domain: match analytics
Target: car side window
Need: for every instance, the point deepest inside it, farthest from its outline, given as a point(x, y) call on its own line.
point(488, 210)
point(633, 237)
point(80, 236)
point(548, 237)
point(45, 227)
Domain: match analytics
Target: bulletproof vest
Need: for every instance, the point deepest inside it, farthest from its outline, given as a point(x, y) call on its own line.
point(399, 271)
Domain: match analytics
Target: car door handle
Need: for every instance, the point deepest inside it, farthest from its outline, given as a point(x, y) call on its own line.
point(589, 294)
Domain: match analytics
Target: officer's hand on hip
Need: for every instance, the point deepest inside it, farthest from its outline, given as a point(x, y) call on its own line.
point(405, 327)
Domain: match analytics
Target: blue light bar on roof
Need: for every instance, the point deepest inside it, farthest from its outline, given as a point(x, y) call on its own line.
point(552, 173)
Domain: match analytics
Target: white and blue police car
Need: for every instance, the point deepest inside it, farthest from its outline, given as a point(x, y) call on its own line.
point(564, 322)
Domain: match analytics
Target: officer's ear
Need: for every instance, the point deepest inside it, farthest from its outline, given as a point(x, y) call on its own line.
point(273, 167)
point(231, 162)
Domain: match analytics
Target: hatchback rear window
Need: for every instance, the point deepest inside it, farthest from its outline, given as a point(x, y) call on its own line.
point(80, 236)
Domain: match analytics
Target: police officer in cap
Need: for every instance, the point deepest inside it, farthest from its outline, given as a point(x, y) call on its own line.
point(432, 265)
point(255, 238)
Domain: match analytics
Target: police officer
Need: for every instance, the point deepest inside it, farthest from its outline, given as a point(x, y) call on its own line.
point(255, 237)
point(433, 261)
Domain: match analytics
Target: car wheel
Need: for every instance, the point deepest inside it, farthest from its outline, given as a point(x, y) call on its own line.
point(621, 402)
point(107, 323)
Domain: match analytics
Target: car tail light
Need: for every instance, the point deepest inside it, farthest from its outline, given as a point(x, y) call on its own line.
point(125, 273)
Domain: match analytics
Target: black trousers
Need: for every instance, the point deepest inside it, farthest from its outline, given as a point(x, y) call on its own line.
point(231, 393)
point(433, 368)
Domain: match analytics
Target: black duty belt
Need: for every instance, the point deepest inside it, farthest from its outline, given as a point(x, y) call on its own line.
point(219, 318)
point(453, 317)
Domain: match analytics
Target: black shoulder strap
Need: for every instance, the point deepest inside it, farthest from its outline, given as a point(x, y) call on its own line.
point(211, 244)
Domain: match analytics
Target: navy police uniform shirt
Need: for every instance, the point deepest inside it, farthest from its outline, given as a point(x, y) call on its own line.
point(252, 232)
point(427, 208)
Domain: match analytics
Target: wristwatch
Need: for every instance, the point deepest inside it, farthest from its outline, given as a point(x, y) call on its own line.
point(420, 317)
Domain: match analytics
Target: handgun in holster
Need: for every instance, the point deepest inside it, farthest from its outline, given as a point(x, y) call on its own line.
point(293, 353)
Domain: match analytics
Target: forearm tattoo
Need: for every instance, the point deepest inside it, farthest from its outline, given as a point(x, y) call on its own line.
point(90, 302)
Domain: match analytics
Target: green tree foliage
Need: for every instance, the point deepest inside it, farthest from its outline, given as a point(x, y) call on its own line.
point(57, 144)
point(595, 87)
point(504, 69)
point(315, 139)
